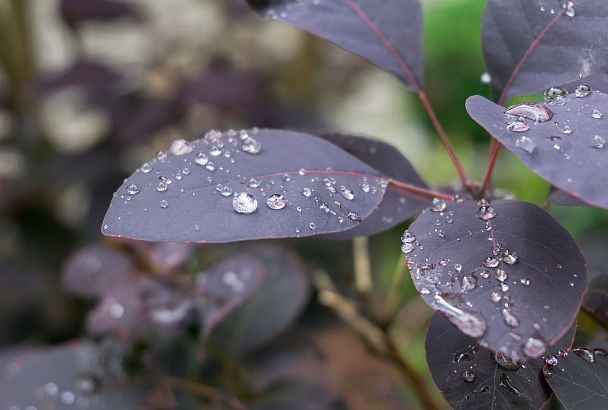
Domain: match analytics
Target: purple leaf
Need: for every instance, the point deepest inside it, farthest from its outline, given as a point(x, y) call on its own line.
point(385, 32)
point(578, 378)
point(396, 206)
point(69, 376)
point(532, 45)
point(225, 285)
point(596, 299)
point(567, 150)
point(241, 186)
point(484, 267)
point(562, 198)
point(94, 271)
point(470, 376)
point(75, 12)
point(273, 307)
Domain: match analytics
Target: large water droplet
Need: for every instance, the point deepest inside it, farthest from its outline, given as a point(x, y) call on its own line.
point(487, 212)
point(501, 275)
point(509, 257)
point(551, 360)
point(346, 193)
point(491, 262)
point(145, 168)
point(597, 114)
point(244, 203)
point(509, 318)
point(276, 201)
point(251, 146)
point(585, 354)
point(438, 205)
point(468, 283)
point(495, 296)
point(534, 112)
point(534, 348)
point(468, 376)
point(161, 156)
point(525, 143)
point(162, 186)
point(408, 247)
point(582, 90)
point(408, 237)
point(599, 142)
point(468, 323)
point(215, 150)
point(181, 147)
point(133, 189)
point(201, 159)
point(570, 12)
point(555, 93)
point(307, 192)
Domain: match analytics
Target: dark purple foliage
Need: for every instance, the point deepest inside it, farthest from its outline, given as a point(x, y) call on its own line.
point(530, 45)
point(387, 33)
point(248, 185)
point(596, 299)
point(64, 377)
point(578, 378)
point(396, 206)
point(470, 376)
point(483, 266)
point(566, 149)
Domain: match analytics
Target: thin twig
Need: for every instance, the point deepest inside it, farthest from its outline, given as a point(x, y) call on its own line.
point(443, 137)
point(494, 150)
point(203, 390)
point(423, 192)
point(398, 277)
point(375, 337)
point(362, 265)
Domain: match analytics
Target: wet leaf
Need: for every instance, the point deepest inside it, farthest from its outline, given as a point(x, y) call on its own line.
point(579, 378)
point(387, 33)
point(245, 185)
point(69, 376)
point(94, 271)
point(596, 299)
point(533, 45)
point(225, 285)
point(273, 307)
point(505, 273)
point(567, 150)
point(396, 206)
point(470, 376)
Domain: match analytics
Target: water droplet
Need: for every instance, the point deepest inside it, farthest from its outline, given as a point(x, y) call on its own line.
point(181, 147)
point(302, 171)
point(551, 360)
point(487, 212)
point(582, 90)
point(161, 156)
point(51, 389)
point(526, 144)
point(312, 226)
point(162, 186)
point(599, 142)
point(215, 150)
point(244, 203)
point(164, 203)
point(276, 201)
point(68, 398)
point(353, 216)
point(408, 247)
point(509, 318)
point(201, 159)
point(212, 136)
point(210, 166)
point(505, 362)
point(468, 376)
point(495, 296)
point(307, 192)
point(555, 93)
point(491, 262)
point(438, 205)
point(133, 189)
point(346, 193)
point(525, 281)
point(485, 78)
point(534, 112)
point(570, 12)
point(597, 114)
point(518, 126)
point(365, 187)
point(224, 190)
point(585, 354)
point(504, 287)
point(469, 282)
point(509, 257)
point(408, 237)
point(251, 146)
point(468, 323)
point(501, 275)
point(534, 348)
point(145, 168)
point(506, 383)
point(254, 183)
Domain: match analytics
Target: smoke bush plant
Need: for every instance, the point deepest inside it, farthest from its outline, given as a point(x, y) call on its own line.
point(505, 279)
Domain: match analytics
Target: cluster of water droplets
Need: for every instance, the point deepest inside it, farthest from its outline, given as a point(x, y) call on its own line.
point(282, 11)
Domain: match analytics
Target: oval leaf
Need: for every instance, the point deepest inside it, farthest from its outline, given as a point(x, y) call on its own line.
point(579, 379)
point(514, 281)
point(531, 45)
point(386, 32)
point(567, 150)
point(203, 194)
point(470, 376)
point(396, 206)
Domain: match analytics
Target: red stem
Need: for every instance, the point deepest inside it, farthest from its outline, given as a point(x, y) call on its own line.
point(403, 186)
